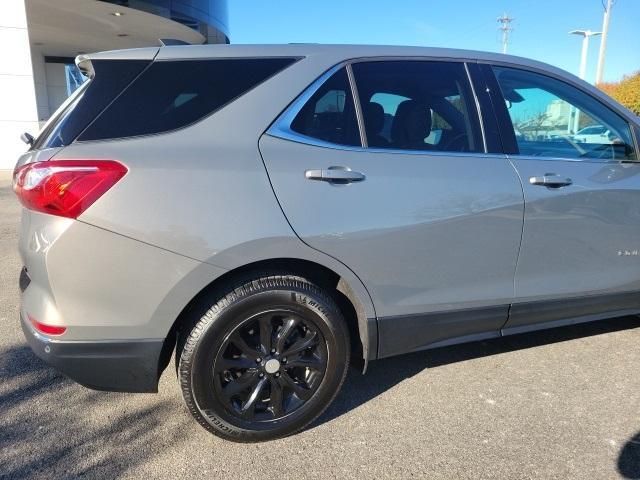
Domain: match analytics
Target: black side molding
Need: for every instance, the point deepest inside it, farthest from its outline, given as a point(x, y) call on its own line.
point(526, 316)
point(404, 334)
point(408, 333)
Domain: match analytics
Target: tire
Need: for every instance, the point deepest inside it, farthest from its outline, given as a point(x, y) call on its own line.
point(265, 360)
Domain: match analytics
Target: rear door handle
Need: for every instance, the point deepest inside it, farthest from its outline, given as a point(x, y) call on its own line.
point(335, 175)
point(551, 180)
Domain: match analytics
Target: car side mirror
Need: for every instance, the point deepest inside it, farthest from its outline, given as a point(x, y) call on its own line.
point(27, 138)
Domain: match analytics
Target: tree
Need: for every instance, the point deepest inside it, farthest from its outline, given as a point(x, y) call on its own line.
point(532, 127)
point(626, 91)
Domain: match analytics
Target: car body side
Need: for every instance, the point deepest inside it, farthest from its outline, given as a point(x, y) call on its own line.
point(196, 205)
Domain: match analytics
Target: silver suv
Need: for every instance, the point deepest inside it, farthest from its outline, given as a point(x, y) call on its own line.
point(270, 213)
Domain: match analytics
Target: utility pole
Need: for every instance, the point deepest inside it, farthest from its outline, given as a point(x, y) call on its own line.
point(603, 42)
point(505, 28)
point(586, 34)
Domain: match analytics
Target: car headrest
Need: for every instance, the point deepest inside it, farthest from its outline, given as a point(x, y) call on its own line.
point(411, 124)
point(373, 118)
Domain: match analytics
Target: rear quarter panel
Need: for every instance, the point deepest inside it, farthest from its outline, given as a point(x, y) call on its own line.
point(203, 192)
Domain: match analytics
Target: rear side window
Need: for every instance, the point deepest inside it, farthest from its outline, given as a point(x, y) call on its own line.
point(174, 94)
point(329, 115)
point(111, 77)
point(418, 105)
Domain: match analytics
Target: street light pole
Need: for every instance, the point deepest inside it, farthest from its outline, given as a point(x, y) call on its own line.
point(603, 42)
point(586, 34)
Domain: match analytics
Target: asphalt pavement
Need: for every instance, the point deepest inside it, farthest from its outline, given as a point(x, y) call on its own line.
point(563, 404)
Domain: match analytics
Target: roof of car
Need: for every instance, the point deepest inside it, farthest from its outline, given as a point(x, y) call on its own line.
point(304, 50)
point(330, 53)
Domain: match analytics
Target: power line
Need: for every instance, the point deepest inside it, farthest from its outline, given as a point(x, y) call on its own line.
point(506, 28)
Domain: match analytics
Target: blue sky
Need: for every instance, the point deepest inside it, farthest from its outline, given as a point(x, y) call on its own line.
point(541, 26)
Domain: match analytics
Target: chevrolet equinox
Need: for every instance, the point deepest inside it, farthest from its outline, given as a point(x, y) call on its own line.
point(271, 213)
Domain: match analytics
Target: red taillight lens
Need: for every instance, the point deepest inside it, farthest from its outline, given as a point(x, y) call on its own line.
point(65, 187)
point(47, 329)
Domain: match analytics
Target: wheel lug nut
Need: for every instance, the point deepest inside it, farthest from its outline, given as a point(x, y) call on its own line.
point(277, 374)
point(284, 360)
point(273, 350)
point(258, 360)
point(261, 375)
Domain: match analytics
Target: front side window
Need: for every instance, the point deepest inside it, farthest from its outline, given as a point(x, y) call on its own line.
point(553, 119)
point(418, 105)
point(329, 115)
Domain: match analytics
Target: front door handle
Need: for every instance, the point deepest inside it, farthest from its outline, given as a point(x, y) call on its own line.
point(335, 174)
point(551, 180)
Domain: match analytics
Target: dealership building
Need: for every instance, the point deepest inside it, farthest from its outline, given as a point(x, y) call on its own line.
point(39, 40)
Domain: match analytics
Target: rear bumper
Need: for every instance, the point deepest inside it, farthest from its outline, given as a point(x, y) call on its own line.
point(119, 366)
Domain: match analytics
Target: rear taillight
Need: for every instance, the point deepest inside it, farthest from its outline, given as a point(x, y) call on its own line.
point(47, 329)
point(65, 187)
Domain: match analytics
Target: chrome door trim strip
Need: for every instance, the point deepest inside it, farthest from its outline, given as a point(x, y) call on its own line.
point(477, 104)
point(357, 106)
point(517, 156)
point(299, 138)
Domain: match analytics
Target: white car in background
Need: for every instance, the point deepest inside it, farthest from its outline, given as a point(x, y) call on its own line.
point(593, 134)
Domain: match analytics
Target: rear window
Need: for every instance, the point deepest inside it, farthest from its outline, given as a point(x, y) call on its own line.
point(111, 77)
point(173, 94)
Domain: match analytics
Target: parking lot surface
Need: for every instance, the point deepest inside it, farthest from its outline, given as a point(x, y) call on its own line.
point(563, 403)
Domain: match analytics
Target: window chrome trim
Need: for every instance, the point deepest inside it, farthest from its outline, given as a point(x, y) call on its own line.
point(281, 128)
point(305, 140)
point(357, 106)
point(477, 104)
point(539, 158)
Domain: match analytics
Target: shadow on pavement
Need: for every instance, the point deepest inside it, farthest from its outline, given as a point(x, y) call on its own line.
point(53, 428)
point(384, 374)
point(629, 459)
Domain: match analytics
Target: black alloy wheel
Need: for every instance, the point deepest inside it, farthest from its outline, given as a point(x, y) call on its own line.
point(270, 365)
point(264, 360)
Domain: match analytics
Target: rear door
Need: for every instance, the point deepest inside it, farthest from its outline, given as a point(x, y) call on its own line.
point(580, 255)
point(408, 197)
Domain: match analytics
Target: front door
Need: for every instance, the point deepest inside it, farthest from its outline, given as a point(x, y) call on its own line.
point(580, 254)
point(407, 199)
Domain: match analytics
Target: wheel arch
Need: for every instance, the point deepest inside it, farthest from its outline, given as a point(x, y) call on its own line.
point(358, 311)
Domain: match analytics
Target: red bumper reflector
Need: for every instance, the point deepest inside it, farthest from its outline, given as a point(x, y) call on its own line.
point(46, 329)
